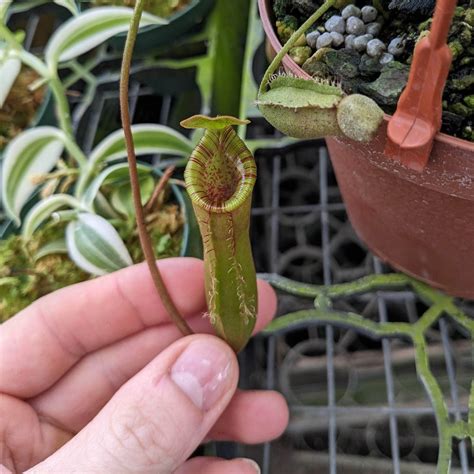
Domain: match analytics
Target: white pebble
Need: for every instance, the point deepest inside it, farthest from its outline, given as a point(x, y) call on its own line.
point(311, 38)
point(360, 43)
point(337, 39)
point(375, 48)
point(386, 58)
point(335, 23)
point(324, 41)
point(369, 13)
point(350, 10)
point(396, 46)
point(355, 26)
point(374, 29)
point(349, 41)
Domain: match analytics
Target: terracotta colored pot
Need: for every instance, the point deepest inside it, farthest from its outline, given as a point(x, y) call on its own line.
point(420, 223)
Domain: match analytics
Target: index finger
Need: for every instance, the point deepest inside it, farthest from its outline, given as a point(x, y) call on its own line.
point(43, 341)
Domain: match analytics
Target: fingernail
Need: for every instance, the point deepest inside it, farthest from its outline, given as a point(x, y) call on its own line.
point(253, 464)
point(202, 372)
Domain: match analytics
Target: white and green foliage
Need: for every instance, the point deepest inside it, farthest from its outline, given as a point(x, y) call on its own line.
point(95, 246)
point(90, 29)
point(79, 35)
point(89, 235)
point(96, 201)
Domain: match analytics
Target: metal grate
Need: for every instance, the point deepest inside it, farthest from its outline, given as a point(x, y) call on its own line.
point(335, 426)
point(356, 403)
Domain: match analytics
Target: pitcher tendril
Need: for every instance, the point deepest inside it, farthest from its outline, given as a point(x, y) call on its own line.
point(145, 240)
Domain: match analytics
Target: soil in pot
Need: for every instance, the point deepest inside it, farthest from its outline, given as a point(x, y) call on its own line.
point(161, 8)
point(20, 107)
point(24, 277)
point(369, 50)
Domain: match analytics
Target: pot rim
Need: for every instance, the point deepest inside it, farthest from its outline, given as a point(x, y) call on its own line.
point(263, 6)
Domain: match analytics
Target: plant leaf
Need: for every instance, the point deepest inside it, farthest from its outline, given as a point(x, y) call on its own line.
point(148, 139)
point(89, 29)
point(9, 70)
point(33, 152)
point(44, 209)
point(116, 175)
point(69, 4)
point(95, 246)
point(121, 198)
point(51, 248)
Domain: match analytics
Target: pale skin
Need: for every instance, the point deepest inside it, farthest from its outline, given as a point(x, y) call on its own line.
point(93, 379)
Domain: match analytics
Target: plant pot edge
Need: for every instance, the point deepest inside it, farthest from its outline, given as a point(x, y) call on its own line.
point(289, 64)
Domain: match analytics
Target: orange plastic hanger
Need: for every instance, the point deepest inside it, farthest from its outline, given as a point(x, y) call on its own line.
point(412, 128)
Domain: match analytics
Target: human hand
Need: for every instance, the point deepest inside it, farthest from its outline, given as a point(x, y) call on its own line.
point(94, 378)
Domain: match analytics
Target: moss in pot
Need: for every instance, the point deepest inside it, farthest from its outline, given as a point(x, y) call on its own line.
point(370, 51)
point(33, 267)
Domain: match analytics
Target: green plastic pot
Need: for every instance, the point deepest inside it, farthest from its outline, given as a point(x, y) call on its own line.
point(154, 36)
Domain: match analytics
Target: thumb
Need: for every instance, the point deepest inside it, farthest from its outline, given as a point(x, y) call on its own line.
point(159, 417)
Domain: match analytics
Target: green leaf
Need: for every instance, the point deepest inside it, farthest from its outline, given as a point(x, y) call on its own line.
point(116, 175)
point(52, 248)
point(69, 4)
point(3, 8)
point(230, 21)
point(249, 87)
point(89, 29)
point(122, 200)
point(95, 246)
point(35, 151)
point(44, 209)
point(9, 70)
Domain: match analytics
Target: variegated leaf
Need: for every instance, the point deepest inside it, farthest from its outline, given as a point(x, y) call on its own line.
point(116, 175)
point(43, 210)
point(122, 200)
point(33, 152)
point(89, 29)
point(147, 138)
point(51, 248)
point(9, 70)
point(95, 246)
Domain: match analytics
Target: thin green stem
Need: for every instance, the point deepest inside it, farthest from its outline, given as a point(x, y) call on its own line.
point(80, 71)
point(291, 42)
point(437, 400)
point(27, 58)
point(140, 214)
point(62, 105)
point(63, 111)
point(74, 150)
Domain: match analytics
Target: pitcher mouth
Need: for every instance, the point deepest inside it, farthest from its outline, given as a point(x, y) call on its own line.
point(221, 172)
